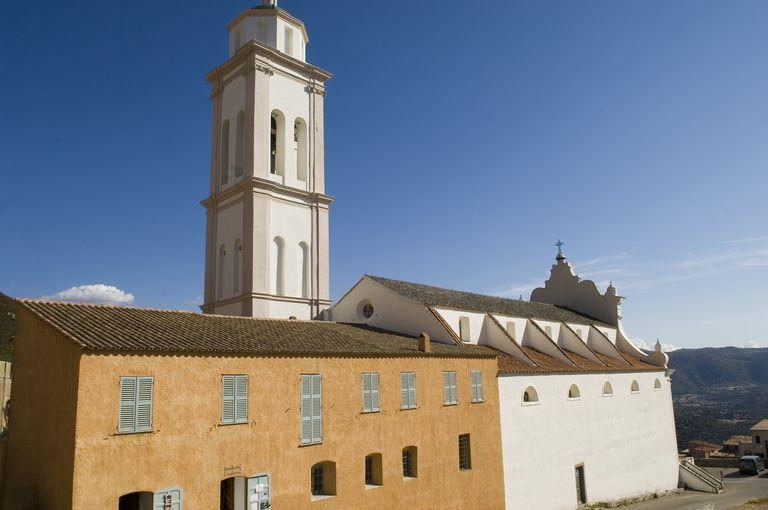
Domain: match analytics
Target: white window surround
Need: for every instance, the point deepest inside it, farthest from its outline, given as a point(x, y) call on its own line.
point(634, 389)
point(656, 384)
point(533, 396)
point(609, 392)
point(574, 395)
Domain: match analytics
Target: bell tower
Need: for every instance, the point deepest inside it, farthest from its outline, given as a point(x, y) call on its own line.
point(266, 250)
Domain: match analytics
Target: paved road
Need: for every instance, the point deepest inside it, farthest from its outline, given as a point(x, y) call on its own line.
point(738, 490)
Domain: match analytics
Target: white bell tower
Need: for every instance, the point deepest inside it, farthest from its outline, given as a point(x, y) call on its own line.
point(266, 252)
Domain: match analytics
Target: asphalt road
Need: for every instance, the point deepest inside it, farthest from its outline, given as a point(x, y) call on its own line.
point(738, 490)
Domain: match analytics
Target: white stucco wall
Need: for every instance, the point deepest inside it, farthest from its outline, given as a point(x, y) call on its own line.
point(626, 442)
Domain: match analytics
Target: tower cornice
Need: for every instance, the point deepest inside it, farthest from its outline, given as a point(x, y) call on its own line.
point(250, 183)
point(253, 49)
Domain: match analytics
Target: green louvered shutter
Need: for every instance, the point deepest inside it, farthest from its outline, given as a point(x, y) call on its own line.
point(367, 401)
point(168, 499)
point(241, 398)
point(375, 391)
point(317, 407)
point(227, 398)
point(412, 389)
point(306, 409)
point(144, 403)
point(404, 390)
point(127, 414)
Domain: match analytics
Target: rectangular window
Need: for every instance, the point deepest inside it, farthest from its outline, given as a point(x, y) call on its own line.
point(465, 454)
point(511, 328)
point(224, 164)
point(477, 386)
point(409, 462)
point(317, 479)
point(289, 41)
point(408, 390)
point(311, 409)
point(135, 413)
point(464, 329)
point(234, 398)
point(449, 388)
point(370, 392)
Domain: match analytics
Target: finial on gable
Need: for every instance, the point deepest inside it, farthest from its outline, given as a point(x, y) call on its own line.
point(658, 345)
point(271, 3)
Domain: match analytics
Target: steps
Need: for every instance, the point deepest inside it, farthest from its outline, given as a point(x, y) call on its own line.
point(696, 478)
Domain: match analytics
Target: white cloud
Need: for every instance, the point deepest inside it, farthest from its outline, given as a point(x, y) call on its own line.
point(752, 345)
point(523, 289)
point(746, 240)
point(642, 344)
point(96, 293)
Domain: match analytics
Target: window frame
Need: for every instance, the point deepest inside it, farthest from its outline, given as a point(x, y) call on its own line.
point(409, 389)
point(465, 452)
point(450, 390)
point(478, 392)
point(313, 396)
point(375, 394)
point(236, 395)
point(136, 402)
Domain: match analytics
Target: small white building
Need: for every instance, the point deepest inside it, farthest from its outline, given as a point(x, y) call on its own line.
point(585, 416)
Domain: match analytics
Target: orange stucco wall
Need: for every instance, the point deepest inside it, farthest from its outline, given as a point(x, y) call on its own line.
point(190, 449)
point(39, 453)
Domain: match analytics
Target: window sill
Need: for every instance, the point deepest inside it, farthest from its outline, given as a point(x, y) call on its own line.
point(608, 395)
point(408, 478)
point(530, 403)
point(320, 497)
point(477, 402)
point(133, 433)
point(369, 487)
point(304, 445)
point(408, 408)
point(450, 404)
point(222, 424)
point(634, 392)
point(465, 469)
point(573, 399)
point(371, 412)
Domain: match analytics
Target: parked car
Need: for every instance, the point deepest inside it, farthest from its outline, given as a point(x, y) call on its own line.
point(751, 465)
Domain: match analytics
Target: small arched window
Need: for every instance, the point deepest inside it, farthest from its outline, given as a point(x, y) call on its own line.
point(237, 267)
point(240, 144)
point(300, 141)
point(656, 384)
point(373, 470)
point(548, 331)
point(304, 267)
point(220, 271)
point(410, 462)
point(530, 396)
point(607, 389)
point(635, 388)
point(278, 267)
point(277, 143)
point(573, 392)
point(323, 479)
point(224, 164)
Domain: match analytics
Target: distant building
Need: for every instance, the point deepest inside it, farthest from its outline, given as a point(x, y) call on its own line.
point(702, 449)
point(759, 440)
point(731, 445)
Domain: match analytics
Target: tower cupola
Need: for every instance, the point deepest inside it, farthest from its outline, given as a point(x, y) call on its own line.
point(271, 25)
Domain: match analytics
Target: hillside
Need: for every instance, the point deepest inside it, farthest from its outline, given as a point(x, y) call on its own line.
point(718, 392)
point(7, 326)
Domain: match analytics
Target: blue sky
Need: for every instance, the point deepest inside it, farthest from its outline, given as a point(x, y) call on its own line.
point(463, 138)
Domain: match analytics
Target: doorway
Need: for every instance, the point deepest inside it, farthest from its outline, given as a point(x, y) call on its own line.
point(581, 489)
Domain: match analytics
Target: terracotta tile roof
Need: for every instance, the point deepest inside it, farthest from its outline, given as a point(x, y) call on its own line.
point(437, 296)
point(115, 328)
point(737, 440)
point(545, 363)
point(761, 425)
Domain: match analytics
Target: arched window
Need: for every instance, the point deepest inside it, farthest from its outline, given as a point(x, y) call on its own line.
point(548, 331)
point(607, 389)
point(304, 267)
point(135, 501)
point(656, 384)
point(278, 267)
point(323, 479)
point(530, 396)
point(300, 141)
point(237, 267)
point(573, 392)
point(277, 143)
point(635, 388)
point(511, 329)
point(220, 271)
point(410, 462)
point(232, 492)
point(373, 470)
point(224, 165)
point(240, 144)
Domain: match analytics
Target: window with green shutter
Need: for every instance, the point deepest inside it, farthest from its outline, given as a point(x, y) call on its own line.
point(371, 392)
point(477, 386)
point(408, 390)
point(234, 399)
point(449, 388)
point(135, 413)
point(311, 409)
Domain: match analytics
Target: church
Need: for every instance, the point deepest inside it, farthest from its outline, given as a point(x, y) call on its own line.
point(398, 395)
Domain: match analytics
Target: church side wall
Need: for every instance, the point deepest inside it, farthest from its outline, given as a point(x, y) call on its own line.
point(626, 442)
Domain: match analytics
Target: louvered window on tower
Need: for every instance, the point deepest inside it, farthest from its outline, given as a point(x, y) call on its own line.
point(371, 392)
point(477, 386)
point(135, 413)
point(234, 398)
point(449, 388)
point(311, 409)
